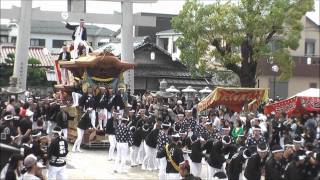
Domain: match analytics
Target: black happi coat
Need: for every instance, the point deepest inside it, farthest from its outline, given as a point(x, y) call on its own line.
point(74, 28)
point(254, 167)
point(111, 126)
point(196, 152)
point(85, 121)
point(57, 151)
point(177, 157)
point(274, 170)
point(152, 137)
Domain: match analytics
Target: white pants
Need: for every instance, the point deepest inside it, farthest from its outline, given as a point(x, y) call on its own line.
point(162, 168)
point(113, 143)
point(75, 98)
point(133, 155)
point(212, 171)
point(65, 133)
point(122, 152)
point(149, 161)
point(195, 168)
point(141, 153)
point(103, 122)
point(65, 77)
point(50, 127)
point(93, 117)
point(76, 43)
point(58, 173)
point(78, 141)
point(173, 176)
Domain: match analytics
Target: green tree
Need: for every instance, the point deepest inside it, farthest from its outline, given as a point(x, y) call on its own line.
point(239, 35)
point(36, 75)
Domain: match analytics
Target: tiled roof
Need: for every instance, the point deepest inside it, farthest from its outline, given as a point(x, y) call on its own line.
point(46, 60)
point(55, 27)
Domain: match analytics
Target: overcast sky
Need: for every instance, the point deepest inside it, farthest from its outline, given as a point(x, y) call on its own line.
point(105, 7)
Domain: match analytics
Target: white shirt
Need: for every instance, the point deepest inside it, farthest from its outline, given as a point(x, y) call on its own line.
point(28, 176)
point(78, 33)
point(216, 122)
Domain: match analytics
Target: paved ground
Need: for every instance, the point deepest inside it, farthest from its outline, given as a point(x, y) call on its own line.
point(93, 164)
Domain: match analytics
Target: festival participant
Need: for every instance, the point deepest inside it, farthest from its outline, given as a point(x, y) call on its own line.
point(57, 153)
point(122, 137)
point(149, 161)
point(255, 166)
point(14, 167)
point(196, 155)
point(214, 156)
point(254, 139)
point(162, 140)
point(174, 156)
point(64, 56)
point(62, 120)
point(235, 166)
point(84, 123)
point(294, 170)
point(274, 169)
point(79, 34)
point(111, 126)
point(76, 93)
point(88, 102)
point(104, 106)
point(34, 169)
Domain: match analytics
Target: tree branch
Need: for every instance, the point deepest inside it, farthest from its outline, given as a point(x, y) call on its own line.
point(270, 35)
point(216, 43)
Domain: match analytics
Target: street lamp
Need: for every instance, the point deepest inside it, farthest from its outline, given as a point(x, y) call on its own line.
point(275, 70)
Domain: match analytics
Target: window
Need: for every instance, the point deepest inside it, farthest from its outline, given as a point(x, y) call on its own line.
point(274, 45)
point(309, 47)
point(101, 44)
point(57, 43)
point(3, 39)
point(13, 40)
point(37, 42)
point(174, 47)
point(165, 43)
point(313, 85)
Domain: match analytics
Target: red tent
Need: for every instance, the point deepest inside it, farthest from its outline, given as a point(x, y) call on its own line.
point(306, 101)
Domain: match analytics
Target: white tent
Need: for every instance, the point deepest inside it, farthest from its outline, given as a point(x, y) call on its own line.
point(312, 92)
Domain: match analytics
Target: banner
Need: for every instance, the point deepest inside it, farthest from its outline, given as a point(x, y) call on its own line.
point(234, 98)
point(294, 106)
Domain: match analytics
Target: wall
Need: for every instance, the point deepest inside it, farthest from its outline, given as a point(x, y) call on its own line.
point(295, 84)
point(310, 31)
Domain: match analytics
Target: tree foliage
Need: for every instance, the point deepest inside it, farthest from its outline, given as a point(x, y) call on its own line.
point(239, 35)
point(36, 75)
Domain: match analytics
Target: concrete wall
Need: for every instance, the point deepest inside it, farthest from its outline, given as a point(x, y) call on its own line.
point(295, 84)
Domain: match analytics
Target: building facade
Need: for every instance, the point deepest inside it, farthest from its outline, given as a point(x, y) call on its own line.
point(52, 35)
point(306, 71)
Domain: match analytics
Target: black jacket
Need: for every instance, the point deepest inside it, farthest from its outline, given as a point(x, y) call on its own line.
point(196, 152)
point(111, 126)
point(137, 137)
point(234, 167)
point(216, 156)
point(274, 170)
point(57, 152)
point(152, 137)
point(61, 122)
point(68, 56)
point(177, 157)
point(85, 121)
point(74, 28)
point(294, 172)
point(254, 166)
point(88, 101)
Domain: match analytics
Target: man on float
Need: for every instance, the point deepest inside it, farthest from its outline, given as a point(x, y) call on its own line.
point(79, 35)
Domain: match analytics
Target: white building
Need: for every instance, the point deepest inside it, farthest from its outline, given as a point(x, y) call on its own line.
point(52, 35)
point(167, 40)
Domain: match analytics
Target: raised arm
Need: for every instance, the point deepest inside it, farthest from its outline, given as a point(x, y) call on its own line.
point(71, 27)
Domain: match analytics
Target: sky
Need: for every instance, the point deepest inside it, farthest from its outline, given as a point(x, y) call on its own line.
point(105, 7)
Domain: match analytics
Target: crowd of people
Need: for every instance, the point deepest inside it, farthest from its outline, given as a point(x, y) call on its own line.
point(174, 141)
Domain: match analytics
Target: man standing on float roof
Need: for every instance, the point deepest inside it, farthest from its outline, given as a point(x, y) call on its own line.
point(79, 34)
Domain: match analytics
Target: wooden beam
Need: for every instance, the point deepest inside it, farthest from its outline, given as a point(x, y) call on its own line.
point(39, 15)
